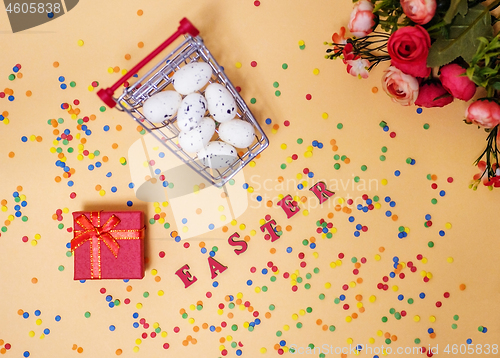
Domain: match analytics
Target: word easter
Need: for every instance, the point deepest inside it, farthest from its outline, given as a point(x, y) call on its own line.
point(290, 207)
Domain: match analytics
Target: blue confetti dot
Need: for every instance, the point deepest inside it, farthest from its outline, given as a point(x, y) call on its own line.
point(395, 259)
point(421, 295)
point(106, 128)
point(88, 132)
point(312, 245)
point(351, 219)
point(397, 173)
point(245, 186)
point(388, 213)
point(82, 281)
point(485, 330)
point(249, 283)
point(368, 201)
point(268, 121)
point(441, 233)
point(401, 297)
point(356, 233)
point(359, 227)
point(211, 226)
point(310, 174)
point(98, 164)
point(215, 284)
point(315, 143)
point(63, 86)
point(387, 199)
point(212, 253)
point(401, 235)
point(264, 271)
point(135, 325)
point(23, 138)
point(320, 145)
point(259, 198)
point(442, 193)
point(392, 274)
point(46, 331)
point(131, 185)
point(239, 352)
point(469, 341)
point(392, 204)
point(157, 171)
point(161, 155)
point(70, 183)
point(386, 128)
point(91, 167)
point(184, 220)
point(325, 230)
point(203, 250)
point(18, 214)
point(165, 184)
point(300, 186)
point(365, 209)
point(289, 249)
point(342, 297)
point(61, 79)
point(17, 207)
point(111, 304)
point(67, 131)
point(112, 328)
point(109, 174)
point(15, 69)
point(257, 321)
point(50, 15)
point(26, 354)
point(135, 315)
point(68, 245)
point(26, 315)
point(359, 207)
point(84, 127)
point(130, 203)
point(178, 239)
point(113, 189)
point(11, 98)
point(109, 298)
point(212, 328)
point(24, 203)
point(427, 217)
point(282, 343)
point(430, 330)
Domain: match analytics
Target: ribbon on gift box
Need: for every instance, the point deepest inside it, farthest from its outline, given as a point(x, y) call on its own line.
point(95, 233)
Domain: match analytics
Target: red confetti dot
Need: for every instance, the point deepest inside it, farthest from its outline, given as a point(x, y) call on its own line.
point(308, 97)
point(426, 279)
point(176, 329)
point(208, 294)
point(126, 84)
point(76, 102)
point(95, 84)
point(166, 345)
point(419, 257)
point(295, 157)
point(153, 334)
point(274, 268)
point(253, 269)
point(65, 106)
point(450, 180)
point(286, 123)
point(256, 3)
point(281, 351)
point(355, 271)
point(446, 295)
point(247, 303)
point(223, 324)
point(144, 335)
point(186, 245)
point(86, 119)
point(286, 275)
point(345, 307)
point(409, 264)
point(7, 346)
point(156, 217)
point(301, 255)
point(294, 288)
point(413, 269)
point(268, 217)
point(403, 313)
point(345, 287)
point(270, 264)
point(438, 304)
point(371, 207)
point(221, 306)
point(365, 197)
point(349, 202)
point(401, 275)
point(161, 254)
point(70, 229)
point(364, 228)
point(142, 321)
point(25, 239)
point(18, 66)
point(305, 171)
point(393, 134)
point(224, 352)
point(386, 287)
point(126, 301)
point(2, 94)
point(303, 264)
point(434, 186)
point(102, 290)
point(256, 313)
point(341, 255)
point(380, 286)
point(238, 88)
point(429, 223)
point(385, 278)
point(253, 63)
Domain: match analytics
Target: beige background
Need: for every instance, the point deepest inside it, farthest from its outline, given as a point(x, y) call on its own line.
point(238, 31)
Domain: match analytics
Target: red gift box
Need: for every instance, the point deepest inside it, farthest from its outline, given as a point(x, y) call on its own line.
point(108, 245)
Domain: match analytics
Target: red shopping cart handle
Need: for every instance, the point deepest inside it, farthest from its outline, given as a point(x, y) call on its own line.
point(185, 27)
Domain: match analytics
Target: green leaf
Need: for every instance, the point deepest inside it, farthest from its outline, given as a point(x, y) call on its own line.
point(462, 41)
point(456, 7)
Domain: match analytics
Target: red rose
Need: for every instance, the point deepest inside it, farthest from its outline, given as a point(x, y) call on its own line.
point(456, 82)
point(428, 93)
point(408, 48)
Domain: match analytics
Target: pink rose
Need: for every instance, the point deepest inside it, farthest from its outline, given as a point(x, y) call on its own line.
point(456, 82)
point(484, 113)
point(419, 11)
point(408, 48)
point(358, 67)
point(362, 19)
point(402, 88)
point(428, 93)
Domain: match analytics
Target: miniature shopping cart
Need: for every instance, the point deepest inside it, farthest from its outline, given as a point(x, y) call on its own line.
point(158, 78)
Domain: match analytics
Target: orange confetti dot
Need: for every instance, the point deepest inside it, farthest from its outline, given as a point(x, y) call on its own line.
point(185, 343)
point(34, 280)
point(5, 113)
point(194, 341)
point(280, 179)
point(394, 338)
point(434, 177)
point(12, 155)
point(196, 328)
point(319, 321)
point(74, 347)
point(39, 139)
point(394, 218)
point(157, 278)
point(198, 211)
point(387, 335)
point(354, 315)
point(20, 313)
point(174, 234)
point(330, 215)
point(230, 315)
point(140, 44)
point(140, 12)
point(432, 335)
point(118, 352)
point(269, 203)
point(277, 346)
point(28, 93)
point(105, 159)
point(347, 160)
point(272, 251)
point(55, 132)
point(224, 229)
point(116, 69)
point(312, 239)
point(80, 350)
point(19, 188)
point(139, 128)
point(276, 126)
point(462, 287)
point(204, 325)
point(381, 249)
point(98, 187)
point(129, 288)
point(55, 64)
point(359, 297)
point(361, 309)
point(72, 171)
point(222, 340)
point(246, 238)
point(83, 140)
point(4, 202)
point(118, 127)
point(128, 57)
point(333, 142)
point(289, 228)
point(57, 179)
point(218, 329)
point(268, 315)
point(357, 265)
point(182, 311)
point(325, 327)
point(60, 155)
point(19, 75)
point(374, 89)
point(238, 301)
point(227, 298)
point(7, 222)
point(65, 175)
point(335, 148)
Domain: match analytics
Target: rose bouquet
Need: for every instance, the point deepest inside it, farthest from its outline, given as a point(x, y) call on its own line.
point(439, 51)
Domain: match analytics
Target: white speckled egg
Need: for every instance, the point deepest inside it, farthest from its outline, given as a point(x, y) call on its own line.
point(191, 77)
point(161, 106)
point(237, 132)
point(198, 137)
point(218, 155)
point(221, 103)
point(191, 111)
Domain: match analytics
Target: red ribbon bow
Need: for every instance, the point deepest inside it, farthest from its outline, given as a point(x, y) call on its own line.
point(97, 233)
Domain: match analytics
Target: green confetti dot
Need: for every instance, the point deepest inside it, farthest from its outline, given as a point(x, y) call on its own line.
point(307, 286)
point(253, 100)
point(382, 158)
point(336, 300)
point(277, 93)
point(278, 333)
point(4, 228)
point(356, 179)
point(152, 221)
point(170, 185)
point(79, 121)
point(69, 253)
point(388, 341)
point(117, 302)
point(316, 270)
point(376, 198)
point(309, 309)
point(340, 126)
point(24, 218)
point(60, 226)
point(331, 328)
point(401, 228)
point(70, 149)
point(480, 328)
point(384, 319)
point(231, 182)
point(434, 201)
point(426, 126)
point(408, 160)
point(145, 294)
point(264, 288)
point(336, 166)
point(454, 326)
point(299, 325)
point(273, 278)
point(397, 315)
point(384, 149)
point(283, 166)
point(354, 260)
point(364, 167)
point(272, 307)
point(321, 296)
point(87, 314)
point(455, 317)
point(59, 150)
point(199, 307)
point(184, 315)
point(158, 330)
point(102, 108)
point(284, 66)
point(12, 77)
point(410, 301)
point(299, 279)
point(430, 244)
point(300, 141)
point(60, 120)
point(308, 276)
point(231, 305)
point(336, 157)
point(166, 225)
point(392, 311)
point(382, 124)
point(276, 84)
point(302, 47)
point(429, 177)
point(234, 327)
point(417, 341)
point(61, 268)
point(72, 83)
point(329, 235)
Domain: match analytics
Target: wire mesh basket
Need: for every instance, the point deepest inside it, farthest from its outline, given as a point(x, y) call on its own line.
point(158, 78)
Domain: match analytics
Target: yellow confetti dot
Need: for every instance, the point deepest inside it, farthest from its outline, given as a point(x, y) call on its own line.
point(372, 298)
point(257, 289)
point(324, 115)
point(238, 64)
point(252, 164)
point(90, 88)
point(123, 160)
point(416, 318)
point(263, 350)
point(395, 288)
point(253, 232)
point(424, 260)
point(38, 322)
point(161, 293)
point(429, 275)
point(450, 260)
point(432, 319)
point(233, 222)
point(333, 264)
point(191, 320)
point(286, 327)
point(302, 312)
point(164, 334)
point(138, 306)
point(423, 273)
point(371, 340)
point(348, 319)
point(349, 340)
point(301, 43)
point(447, 225)
point(34, 242)
point(185, 229)
point(242, 227)
point(135, 349)
point(80, 43)
point(328, 284)
point(305, 212)
point(338, 262)
point(102, 192)
point(316, 71)
point(383, 182)
point(31, 333)
point(110, 70)
point(295, 316)
point(220, 312)
point(380, 333)
point(377, 257)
